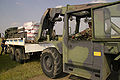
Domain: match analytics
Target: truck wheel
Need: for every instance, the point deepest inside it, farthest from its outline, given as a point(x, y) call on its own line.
point(51, 62)
point(12, 53)
point(18, 55)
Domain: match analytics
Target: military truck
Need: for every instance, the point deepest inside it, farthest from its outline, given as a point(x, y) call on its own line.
point(92, 58)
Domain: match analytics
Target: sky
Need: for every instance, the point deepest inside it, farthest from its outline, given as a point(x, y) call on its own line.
point(17, 12)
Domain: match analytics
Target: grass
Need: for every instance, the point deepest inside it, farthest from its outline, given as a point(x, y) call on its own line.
point(11, 70)
point(6, 63)
point(22, 72)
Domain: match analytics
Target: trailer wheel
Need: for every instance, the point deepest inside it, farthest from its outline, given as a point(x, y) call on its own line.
point(12, 53)
point(18, 55)
point(51, 62)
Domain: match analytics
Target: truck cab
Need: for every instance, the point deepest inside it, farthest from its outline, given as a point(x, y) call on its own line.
point(92, 58)
point(92, 55)
point(89, 45)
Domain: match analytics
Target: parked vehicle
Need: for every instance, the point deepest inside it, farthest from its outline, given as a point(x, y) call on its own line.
point(92, 56)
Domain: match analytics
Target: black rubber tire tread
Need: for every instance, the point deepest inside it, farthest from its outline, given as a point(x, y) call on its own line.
point(18, 55)
point(57, 62)
point(12, 54)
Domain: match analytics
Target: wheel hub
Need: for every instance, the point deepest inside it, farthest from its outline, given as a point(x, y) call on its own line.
point(48, 63)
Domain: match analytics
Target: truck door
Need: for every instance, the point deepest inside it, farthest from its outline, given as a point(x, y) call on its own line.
point(79, 45)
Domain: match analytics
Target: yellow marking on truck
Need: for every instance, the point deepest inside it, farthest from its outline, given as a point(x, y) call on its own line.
point(97, 53)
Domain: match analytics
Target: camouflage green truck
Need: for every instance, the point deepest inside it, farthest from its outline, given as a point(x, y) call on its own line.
point(92, 56)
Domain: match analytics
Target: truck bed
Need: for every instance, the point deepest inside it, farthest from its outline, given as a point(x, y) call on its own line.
point(29, 47)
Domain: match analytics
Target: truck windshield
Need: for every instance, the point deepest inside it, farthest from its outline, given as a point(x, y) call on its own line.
point(107, 22)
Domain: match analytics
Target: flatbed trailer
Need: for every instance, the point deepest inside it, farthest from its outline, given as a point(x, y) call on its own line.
point(26, 48)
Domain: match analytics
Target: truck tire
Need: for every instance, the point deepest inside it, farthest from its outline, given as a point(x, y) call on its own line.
point(51, 62)
point(18, 55)
point(12, 53)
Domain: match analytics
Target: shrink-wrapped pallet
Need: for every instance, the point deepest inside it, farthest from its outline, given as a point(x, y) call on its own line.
point(31, 29)
point(34, 31)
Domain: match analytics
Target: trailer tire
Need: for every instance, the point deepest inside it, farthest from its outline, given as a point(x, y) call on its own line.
point(18, 55)
point(12, 53)
point(51, 62)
